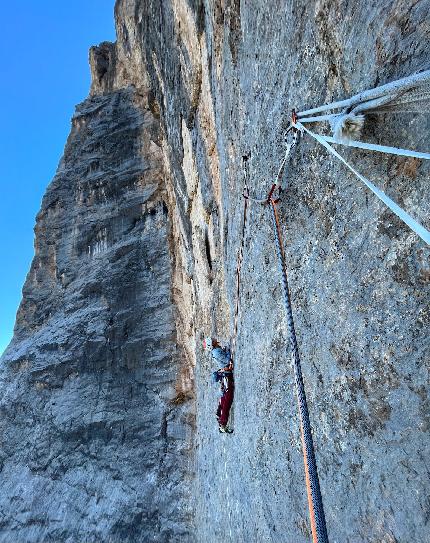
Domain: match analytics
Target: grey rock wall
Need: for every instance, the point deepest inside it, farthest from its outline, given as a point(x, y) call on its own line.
point(188, 89)
point(359, 278)
point(95, 438)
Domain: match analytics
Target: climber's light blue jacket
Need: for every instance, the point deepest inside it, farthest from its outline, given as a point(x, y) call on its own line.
point(222, 356)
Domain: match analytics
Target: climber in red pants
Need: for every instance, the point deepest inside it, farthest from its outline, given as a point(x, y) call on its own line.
point(224, 376)
point(225, 403)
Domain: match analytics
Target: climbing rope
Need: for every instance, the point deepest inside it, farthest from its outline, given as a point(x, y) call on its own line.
point(406, 93)
point(414, 88)
point(379, 148)
point(410, 94)
point(316, 510)
point(240, 258)
point(422, 232)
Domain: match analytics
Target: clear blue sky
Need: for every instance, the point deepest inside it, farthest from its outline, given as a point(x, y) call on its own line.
point(44, 74)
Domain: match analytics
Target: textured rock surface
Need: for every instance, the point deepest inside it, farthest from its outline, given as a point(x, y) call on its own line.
point(91, 428)
point(136, 251)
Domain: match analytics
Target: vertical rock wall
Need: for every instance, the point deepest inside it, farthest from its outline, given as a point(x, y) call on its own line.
point(200, 84)
point(95, 425)
point(225, 76)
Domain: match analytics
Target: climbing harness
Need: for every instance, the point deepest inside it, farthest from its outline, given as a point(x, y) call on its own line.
point(408, 94)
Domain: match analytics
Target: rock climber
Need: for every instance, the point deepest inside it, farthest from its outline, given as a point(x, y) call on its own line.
point(224, 376)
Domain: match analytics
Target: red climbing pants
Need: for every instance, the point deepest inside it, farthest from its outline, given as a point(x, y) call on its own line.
point(225, 403)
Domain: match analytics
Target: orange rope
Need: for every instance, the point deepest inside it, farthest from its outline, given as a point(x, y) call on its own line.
point(316, 511)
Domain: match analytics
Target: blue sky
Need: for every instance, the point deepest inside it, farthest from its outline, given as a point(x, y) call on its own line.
point(44, 74)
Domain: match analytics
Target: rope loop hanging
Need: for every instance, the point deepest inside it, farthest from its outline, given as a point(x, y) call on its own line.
point(240, 257)
point(415, 226)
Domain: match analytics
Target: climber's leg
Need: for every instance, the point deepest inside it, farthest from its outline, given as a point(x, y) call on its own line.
point(225, 403)
point(218, 411)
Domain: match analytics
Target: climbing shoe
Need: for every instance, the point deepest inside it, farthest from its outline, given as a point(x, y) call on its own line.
point(224, 429)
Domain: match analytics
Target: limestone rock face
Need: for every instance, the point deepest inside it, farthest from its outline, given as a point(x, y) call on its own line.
point(107, 419)
point(95, 445)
